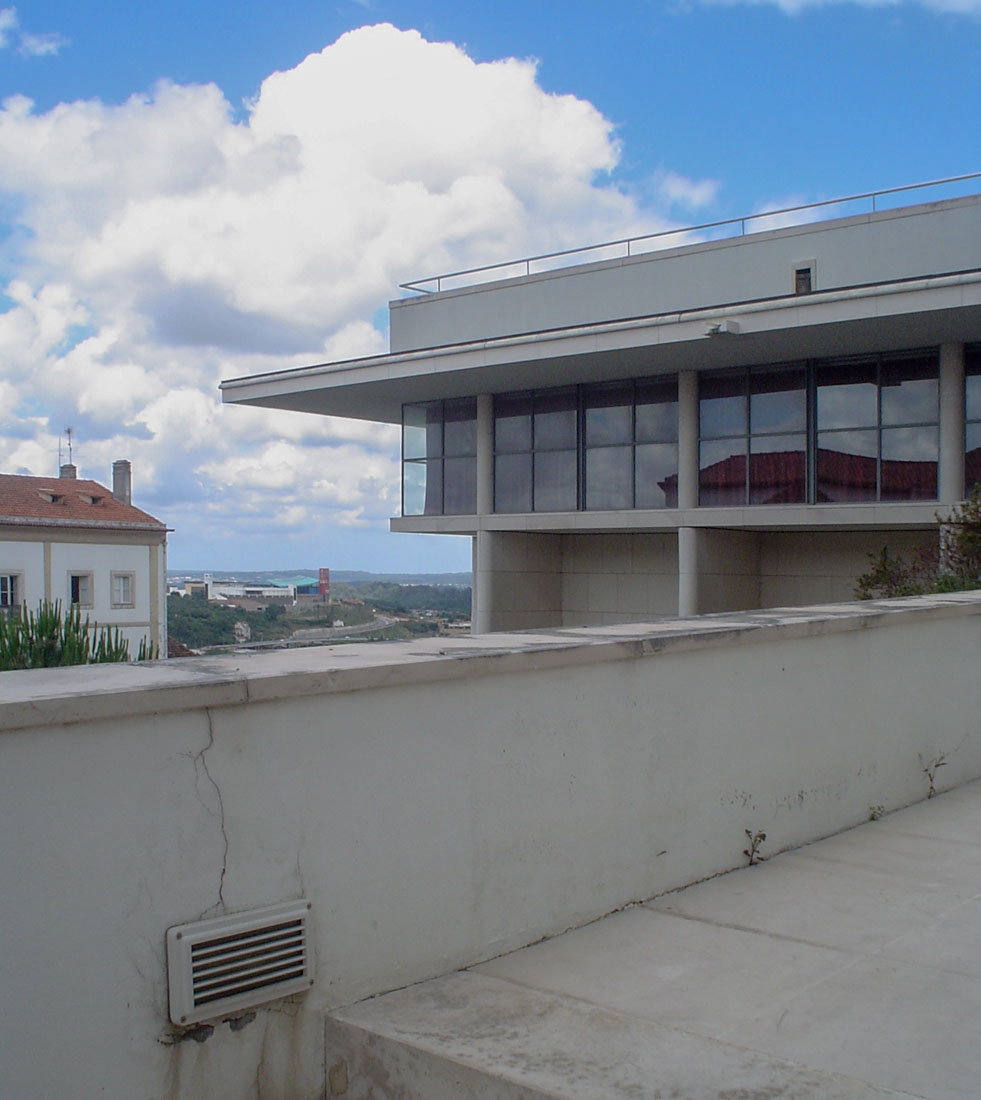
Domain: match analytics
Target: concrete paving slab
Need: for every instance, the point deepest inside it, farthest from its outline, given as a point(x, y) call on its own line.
point(951, 943)
point(848, 968)
point(928, 862)
point(906, 1027)
point(698, 977)
point(826, 903)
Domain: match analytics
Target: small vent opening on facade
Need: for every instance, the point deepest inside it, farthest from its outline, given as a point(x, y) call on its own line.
point(803, 280)
point(231, 963)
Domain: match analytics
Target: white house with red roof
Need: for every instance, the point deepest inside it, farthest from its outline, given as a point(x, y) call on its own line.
point(70, 539)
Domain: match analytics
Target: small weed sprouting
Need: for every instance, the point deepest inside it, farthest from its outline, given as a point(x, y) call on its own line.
point(875, 812)
point(930, 771)
point(756, 840)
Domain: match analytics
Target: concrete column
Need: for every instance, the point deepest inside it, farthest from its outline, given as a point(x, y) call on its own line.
point(951, 473)
point(485, 454)
point(687, 571)
point(687, 439)
point(478, 592)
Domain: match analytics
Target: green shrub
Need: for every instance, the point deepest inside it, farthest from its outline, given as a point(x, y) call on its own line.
point(951, 564)
point(47, 638)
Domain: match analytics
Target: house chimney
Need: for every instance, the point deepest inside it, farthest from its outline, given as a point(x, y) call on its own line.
point(68, 470)
point(122, 481)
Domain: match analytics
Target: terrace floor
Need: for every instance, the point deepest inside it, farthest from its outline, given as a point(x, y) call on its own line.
point(850, 968)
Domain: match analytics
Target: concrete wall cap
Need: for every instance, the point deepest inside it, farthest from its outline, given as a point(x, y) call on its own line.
point(63, 696)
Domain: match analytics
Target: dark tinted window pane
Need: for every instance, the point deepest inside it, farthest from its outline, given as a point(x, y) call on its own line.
point(722, 406)
point(846, 466)
point(846, 396)
point(512, 423)
point(778, 469)
point(909, 464)
point(421, 430)
point(972, 458)
point(609, 414)
point(555, 481)
point(722, 473)
point(413, 488)
point(555, 420)
point(656, 475)
point(973, 396)
point(460, 427)
point(657, 412)
point(609, 477)
point(512, 483)
point(778, 401)
point(459, 486)
point(909, 391)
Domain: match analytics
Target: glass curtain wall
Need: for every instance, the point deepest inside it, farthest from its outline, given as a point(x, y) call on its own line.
point(753, 437)
point(872, 433)
point(878, 432)
point(857, 429)
point(630, 444)
point(608, 446)
point(439, 458)
point(536, 451)
point(972, 417)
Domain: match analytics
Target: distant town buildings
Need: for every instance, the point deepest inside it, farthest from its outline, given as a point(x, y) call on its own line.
point(287, 591)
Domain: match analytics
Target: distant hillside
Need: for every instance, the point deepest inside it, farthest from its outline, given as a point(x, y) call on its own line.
point(435, 579)
point(337, 576)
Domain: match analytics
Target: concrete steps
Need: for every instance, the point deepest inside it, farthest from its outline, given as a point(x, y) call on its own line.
point(472, 1037)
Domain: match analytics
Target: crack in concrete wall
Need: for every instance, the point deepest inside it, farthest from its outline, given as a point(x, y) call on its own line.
point(201, 765)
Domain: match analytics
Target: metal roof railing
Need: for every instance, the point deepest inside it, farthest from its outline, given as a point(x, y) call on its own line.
point(661, 239)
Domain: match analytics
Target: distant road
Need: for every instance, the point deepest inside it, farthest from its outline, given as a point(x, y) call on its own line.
point(312, 635)
point(330, 633)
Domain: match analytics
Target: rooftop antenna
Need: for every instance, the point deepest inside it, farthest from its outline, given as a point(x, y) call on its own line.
point(68, 432)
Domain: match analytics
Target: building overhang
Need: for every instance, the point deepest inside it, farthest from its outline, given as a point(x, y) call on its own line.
point(870, 516)
point(906, 313)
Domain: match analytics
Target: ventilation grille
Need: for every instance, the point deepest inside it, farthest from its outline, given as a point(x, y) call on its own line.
point(230, 963)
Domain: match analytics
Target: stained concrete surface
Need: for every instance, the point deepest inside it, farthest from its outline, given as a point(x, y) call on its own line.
point(850, 968)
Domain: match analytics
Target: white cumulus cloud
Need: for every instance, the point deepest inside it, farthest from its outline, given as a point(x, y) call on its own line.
point(28, 44)
point(164, 243)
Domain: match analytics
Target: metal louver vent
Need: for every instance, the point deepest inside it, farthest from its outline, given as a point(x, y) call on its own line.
point(229, 963)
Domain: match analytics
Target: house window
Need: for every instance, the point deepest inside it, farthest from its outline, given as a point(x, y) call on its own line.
point(9, 590)
point(972, 417)
point(122, 589)
point(80, 589)
point(439, 458)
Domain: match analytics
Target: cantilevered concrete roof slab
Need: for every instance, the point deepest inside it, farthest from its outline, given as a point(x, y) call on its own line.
point(890, 280)
point(905, 314)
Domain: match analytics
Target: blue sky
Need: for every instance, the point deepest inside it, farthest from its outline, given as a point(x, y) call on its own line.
point(193, 192)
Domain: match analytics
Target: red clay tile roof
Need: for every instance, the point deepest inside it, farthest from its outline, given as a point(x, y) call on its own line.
point(76, 502)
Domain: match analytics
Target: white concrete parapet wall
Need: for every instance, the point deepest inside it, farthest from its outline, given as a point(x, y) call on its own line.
point(439, 802)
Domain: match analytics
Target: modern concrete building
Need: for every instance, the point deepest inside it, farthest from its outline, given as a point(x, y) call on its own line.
point(696, 424)
point(76, 541)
